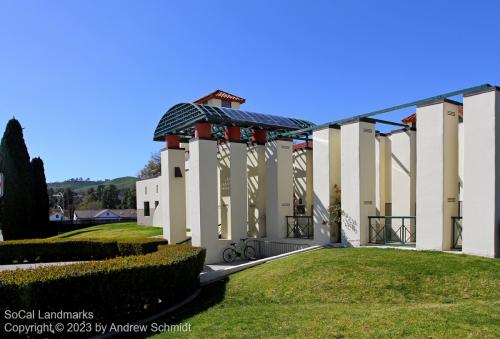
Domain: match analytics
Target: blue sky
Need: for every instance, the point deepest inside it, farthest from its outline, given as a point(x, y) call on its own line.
point(89, 80)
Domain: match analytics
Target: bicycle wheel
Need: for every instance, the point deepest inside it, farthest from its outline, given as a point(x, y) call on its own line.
point(250, 252)
point(229, 254)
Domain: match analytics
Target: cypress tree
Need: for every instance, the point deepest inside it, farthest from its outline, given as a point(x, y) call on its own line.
point(17, 202)
point(40, 197)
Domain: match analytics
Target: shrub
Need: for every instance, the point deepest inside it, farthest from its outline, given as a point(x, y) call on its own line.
point(116, 289)
point(73, 250)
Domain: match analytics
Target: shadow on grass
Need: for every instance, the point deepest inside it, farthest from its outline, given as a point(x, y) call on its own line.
point(210, 296)
point(76, 233)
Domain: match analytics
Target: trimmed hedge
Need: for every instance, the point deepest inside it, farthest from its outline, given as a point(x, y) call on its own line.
point(122, 288)
point(34, 250)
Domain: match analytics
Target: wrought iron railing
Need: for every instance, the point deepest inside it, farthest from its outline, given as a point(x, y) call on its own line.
point(266, 248)
point(393, 229)
point(456, 233)
point(300, 226)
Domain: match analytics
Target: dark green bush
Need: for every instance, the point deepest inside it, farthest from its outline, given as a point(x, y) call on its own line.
point(122, 288)
point(73, 250)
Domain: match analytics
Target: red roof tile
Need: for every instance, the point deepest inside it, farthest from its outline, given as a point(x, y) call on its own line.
point(303, 145)
point(411, 119)
point(218, 94)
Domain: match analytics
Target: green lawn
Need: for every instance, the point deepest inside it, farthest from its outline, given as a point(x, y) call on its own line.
point(112, 231)
point(353, 293)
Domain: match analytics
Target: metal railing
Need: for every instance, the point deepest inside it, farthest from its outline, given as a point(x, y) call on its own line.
point(391, 231)
point(300, 227)
point(456, 233)
point(266, 248)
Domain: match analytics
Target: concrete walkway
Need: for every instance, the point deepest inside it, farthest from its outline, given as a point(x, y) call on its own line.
point(215, 272)
point(35, 265)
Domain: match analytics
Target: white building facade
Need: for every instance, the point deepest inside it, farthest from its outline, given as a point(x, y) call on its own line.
point(229, 174)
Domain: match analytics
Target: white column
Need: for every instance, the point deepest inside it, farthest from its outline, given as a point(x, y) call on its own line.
point(404, 179)
point(224, 193)
point(279, 184)
point(303, 177)
point(203, 196)
point(481, 207)
point(238, 190)
point(256, 166)
point(358, 181)
point(173, 195)
point(437, 173)
point(383, 173)
point(326, 183)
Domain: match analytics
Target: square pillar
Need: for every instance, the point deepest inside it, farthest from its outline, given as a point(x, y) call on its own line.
point(383, 174)
point(481, 206)
point(358, 181)
point(437, 173)
point(173, 195)
point(203, 197)
point(303, 177)
point(233, 190)
point(326, 183)
point(404, 181)
point(256, 167)
point(279, 184)
point(238, 190)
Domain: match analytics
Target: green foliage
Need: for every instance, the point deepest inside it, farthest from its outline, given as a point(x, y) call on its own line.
point(40, 196)
point(152, 169)
point(110, 197)
point(128, 199)
point(19, 251)
point(116, 289)
point(82, 186)
point(17, 203)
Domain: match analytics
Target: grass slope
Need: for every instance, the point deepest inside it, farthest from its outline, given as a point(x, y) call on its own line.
point(112, 231)
point(83, 186)
point(352, 293)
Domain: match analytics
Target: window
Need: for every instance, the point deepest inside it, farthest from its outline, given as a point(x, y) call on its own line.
point(225, 103)
point(146, 208)
point(156, 188)
point(145, 189)
point(157, 203)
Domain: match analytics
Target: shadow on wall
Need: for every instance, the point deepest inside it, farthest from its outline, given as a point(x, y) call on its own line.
point(348, 224)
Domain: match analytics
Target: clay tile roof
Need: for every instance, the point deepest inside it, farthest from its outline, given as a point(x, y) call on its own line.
point(411, 119)
point(302, 145)
point(218, 94)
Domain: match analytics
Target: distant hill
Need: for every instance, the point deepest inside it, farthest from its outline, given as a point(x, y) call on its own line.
point(80, 185)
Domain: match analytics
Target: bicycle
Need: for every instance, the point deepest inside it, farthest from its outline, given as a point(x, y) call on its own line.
point(237, 250)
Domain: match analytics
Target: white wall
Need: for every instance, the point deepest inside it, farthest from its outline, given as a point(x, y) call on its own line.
point(279, 184)
point(203, 197)
point(404, 180)
point(481, 209)
point(326, 182)
point(303, 177)
point(358, 181)
point(148, 190)
point(173, 195)
point(437, 174)
point(256, 169)
point(383, 183)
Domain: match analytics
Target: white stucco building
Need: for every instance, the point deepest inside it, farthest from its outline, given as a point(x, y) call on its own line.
point(429, 181)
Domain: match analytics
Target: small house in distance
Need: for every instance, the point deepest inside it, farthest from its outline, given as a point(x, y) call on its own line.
point(105, 215)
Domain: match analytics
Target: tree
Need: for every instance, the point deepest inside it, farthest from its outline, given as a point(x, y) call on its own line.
point(40, 196)
point(128, 199)
point(110, 197)
point(152, 168)
point(17, 203)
